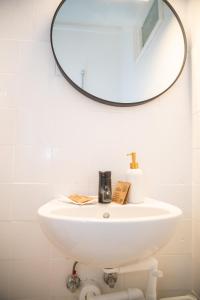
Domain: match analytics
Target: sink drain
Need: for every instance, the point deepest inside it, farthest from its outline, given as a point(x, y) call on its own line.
point(106, 215)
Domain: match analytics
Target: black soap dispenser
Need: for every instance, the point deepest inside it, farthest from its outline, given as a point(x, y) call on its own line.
point(105, 187)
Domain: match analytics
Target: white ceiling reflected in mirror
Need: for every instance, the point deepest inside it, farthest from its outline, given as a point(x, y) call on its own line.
point(119, 52)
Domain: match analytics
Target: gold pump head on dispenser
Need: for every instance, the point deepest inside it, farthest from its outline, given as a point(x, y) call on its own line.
point(134, 164)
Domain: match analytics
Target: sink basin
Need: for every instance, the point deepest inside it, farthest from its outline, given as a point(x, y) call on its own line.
point(109, 235)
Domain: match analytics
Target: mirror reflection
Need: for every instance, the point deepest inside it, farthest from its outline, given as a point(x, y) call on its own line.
point(120, 51)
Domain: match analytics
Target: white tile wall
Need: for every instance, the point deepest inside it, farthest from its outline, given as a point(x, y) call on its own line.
point(8, 90)
point(182, 241)
point(6, 163)
point(6, 240)
point(32, 164)
point(7, 126)
point(35, 245)
point(5, 267)
point(30, 278)
point(54, 140)
point(175, 275)
point(23, 12)
point(27, 63)
point(194, 16)
point(5, 202)
point(26, 198)
point(9, 56)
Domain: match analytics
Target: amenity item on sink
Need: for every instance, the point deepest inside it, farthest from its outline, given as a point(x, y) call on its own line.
point(78, 199)
point(109, 235)
point(135, 177)
point(105, 188)
point(120, 193)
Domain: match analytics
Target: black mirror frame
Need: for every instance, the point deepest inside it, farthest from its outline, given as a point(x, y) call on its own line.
point(111, 102)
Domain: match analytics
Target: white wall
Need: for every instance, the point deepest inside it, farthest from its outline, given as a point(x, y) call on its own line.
point(54, 140)
point(195, 23)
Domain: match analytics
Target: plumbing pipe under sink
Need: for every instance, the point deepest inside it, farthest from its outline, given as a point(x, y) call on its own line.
point(150, 265)
point(92, 292)
point(130, 294)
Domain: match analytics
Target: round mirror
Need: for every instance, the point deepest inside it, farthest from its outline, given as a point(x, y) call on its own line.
point(119, 52)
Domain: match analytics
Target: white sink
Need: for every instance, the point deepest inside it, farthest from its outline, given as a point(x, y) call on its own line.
point(128, 234)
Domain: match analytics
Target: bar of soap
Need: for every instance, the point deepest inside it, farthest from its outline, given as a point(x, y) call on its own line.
point(80, 198)
point(121, 192)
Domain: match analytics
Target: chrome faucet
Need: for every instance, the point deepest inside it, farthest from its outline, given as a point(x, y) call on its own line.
point(105, 188)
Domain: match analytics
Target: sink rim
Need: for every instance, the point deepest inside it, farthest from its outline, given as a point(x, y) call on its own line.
point(47, 211)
